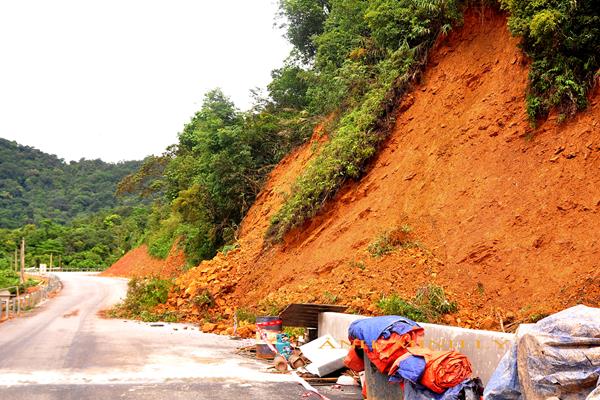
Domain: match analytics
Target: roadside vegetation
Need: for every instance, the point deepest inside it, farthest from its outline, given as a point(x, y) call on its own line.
point(9, 279)
point(143, 295)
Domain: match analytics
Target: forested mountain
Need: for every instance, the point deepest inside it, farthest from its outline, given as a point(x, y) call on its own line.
point(68, 210)
point(35, 186)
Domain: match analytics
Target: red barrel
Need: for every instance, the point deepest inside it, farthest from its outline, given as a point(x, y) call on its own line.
point(267, 329)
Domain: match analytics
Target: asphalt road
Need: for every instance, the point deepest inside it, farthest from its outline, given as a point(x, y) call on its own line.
point(64, 350)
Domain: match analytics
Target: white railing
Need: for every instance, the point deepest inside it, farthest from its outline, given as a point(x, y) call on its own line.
point(13, 305)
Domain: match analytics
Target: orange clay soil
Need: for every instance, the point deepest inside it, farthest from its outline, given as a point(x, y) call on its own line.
point(504, 217)
point(138, 262)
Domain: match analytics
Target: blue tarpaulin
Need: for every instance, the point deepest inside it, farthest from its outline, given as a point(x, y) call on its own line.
point(371, 329)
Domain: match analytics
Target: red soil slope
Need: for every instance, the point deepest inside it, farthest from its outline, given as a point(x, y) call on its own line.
point(138, 262)
point(505, 217)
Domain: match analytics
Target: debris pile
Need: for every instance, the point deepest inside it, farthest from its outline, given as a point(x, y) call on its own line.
point(559, 357)
point(394, 346)
point(205, 294)
point(311, 363)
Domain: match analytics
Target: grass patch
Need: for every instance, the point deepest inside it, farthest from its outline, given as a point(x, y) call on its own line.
point(10, 279)
point(243, 314)
point(358, 264)
point(143, 295)
point(229, 247)
point(428, 305)
point(533, 318)
point(389, 241)
point(330, 297)
point(270, 307)
point(293, 332)
point(203, 299)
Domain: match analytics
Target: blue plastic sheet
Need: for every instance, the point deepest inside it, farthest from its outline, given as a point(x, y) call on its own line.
point(557, 357)
point(371, 329)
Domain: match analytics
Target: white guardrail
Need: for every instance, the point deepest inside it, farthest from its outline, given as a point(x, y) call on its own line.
point(13, 305)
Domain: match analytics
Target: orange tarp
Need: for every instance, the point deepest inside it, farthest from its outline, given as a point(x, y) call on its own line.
point(444, 369)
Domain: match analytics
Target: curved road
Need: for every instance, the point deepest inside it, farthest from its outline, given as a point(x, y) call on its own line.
point(63, 350)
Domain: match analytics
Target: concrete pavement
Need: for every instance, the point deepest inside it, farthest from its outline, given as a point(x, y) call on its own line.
point(63, 350)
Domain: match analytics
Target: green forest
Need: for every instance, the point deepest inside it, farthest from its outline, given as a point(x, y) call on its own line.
point(69, 210)
point(35, 186)
point(351, 63)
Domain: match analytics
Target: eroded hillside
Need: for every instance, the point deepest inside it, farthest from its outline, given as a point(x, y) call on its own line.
point(139, 263)
point(503, 216)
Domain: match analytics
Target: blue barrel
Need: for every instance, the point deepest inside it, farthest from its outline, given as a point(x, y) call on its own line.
point(267, 329)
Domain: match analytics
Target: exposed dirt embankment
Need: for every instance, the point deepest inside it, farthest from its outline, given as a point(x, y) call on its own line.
point(138, 262)
point(505, 217)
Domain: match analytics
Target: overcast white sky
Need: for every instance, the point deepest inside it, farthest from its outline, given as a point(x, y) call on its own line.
point(118, 79)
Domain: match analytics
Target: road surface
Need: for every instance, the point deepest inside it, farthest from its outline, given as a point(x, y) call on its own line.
point(63, 350)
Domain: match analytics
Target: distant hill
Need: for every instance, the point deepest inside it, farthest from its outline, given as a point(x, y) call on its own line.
point(35, 185)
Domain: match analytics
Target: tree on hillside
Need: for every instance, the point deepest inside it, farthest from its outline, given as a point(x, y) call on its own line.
point(304, 21)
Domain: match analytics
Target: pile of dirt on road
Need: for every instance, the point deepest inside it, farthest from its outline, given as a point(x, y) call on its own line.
point(138, 262)
point(503, 216)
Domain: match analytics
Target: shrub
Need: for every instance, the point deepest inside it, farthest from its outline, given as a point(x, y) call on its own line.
point(162, 231)
point(358, 264)
point(204, 298)
point(8, 277)
point(562, 37)
point(330, 297)
point(433, 298)
point(143, 295)
point(244, 314)
point(395, 305)
point(428, 305)
point(389, 241)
